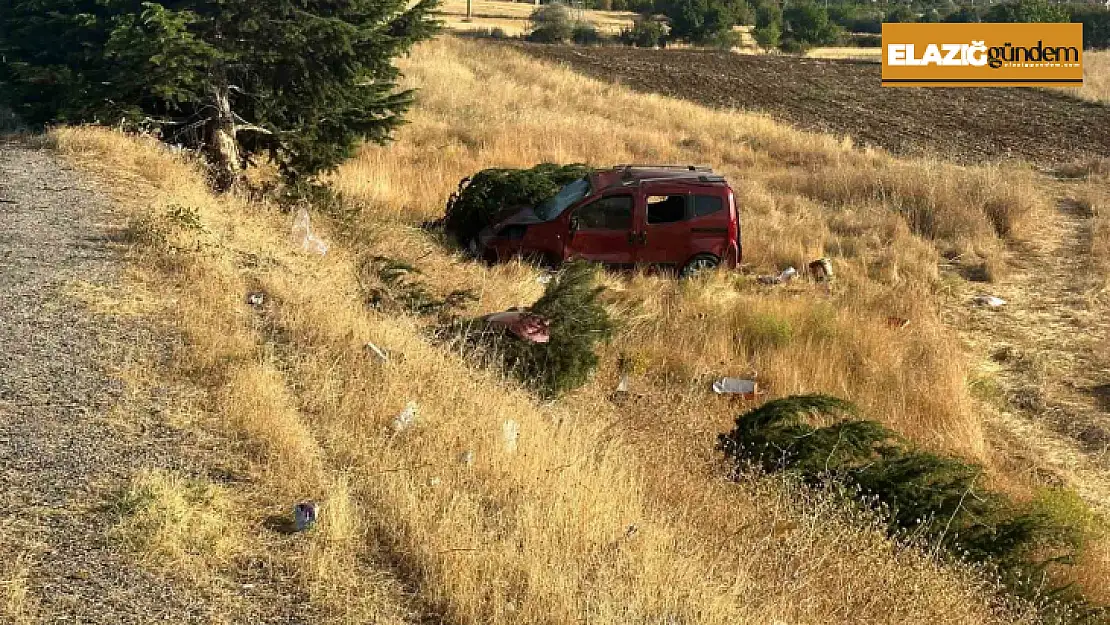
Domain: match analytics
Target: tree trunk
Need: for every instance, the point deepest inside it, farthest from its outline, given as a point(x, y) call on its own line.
point(220, 141)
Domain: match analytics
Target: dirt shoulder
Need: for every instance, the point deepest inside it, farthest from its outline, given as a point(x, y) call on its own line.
point(845, 98)
point(66, 453)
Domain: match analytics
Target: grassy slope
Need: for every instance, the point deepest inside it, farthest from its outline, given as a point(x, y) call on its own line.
point(513, 17)
point(612, 514)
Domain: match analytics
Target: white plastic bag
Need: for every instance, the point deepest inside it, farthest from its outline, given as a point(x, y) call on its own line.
point(990, 301)
point(735, 386)
point(406, 419)
point(510, 434)
point(302, 235)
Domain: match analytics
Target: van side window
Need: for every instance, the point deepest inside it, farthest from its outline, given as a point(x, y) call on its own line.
point(608, 213)
point(665, 209)
point(707, 205)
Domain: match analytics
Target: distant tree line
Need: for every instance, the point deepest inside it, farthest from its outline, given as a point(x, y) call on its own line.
point(795, 25)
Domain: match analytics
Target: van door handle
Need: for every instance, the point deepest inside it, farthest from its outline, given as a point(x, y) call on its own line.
point(643, 238)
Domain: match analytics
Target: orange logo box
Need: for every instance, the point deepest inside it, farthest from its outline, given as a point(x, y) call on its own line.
point(982, 55)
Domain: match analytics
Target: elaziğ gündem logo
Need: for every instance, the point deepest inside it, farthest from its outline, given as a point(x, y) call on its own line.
point(976, 55)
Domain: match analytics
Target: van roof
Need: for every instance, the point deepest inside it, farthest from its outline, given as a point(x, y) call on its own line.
point(634, 175)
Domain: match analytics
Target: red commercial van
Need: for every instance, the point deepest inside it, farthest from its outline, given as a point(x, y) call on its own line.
point(679, 217)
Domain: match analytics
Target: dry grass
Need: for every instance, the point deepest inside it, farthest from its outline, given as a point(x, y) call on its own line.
point(1096, 77)
point(513, 17)
point(857, 54)
point(802, 196)
point(176, 522)
point(603, 513)
point(17, 603)
point(1092, 198)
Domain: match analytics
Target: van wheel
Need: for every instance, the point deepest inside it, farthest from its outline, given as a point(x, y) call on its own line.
point(699, 265)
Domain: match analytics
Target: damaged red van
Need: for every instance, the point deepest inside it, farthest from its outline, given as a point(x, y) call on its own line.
point(682, 218)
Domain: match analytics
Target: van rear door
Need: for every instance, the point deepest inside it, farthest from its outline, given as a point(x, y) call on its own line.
point(710, 224)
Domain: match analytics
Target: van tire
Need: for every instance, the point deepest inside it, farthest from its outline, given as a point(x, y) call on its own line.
point(699, 264)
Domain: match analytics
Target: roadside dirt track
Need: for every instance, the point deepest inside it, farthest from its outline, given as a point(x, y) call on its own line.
point(1044, 127)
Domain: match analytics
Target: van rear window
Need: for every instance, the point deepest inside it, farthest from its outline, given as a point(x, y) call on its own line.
point(707, 205)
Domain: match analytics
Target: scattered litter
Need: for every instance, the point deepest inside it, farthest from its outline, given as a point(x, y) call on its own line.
point(467, 457)
point(989, 300)
point(786, 275)
point(897, 322)
point(525, 325)
point(406, 419)
point(749, 389)
point(305, 514)
point(303, 237)
point(543, 278)
point(821, 269)
point(622, 386)
point(510, 434)
point(256, 299)
point(377, 351)
point(433, 482)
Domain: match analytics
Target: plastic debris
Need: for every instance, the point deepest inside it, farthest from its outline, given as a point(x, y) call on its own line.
point(821, 269)
point(543, 278)
point(256, 299)
point(510, 434)
point(377, 351)
point(303, 237)
point(305, 514)
point(622, 386)
point(406, 419)
point(989, 300)
point(467, 457)
point(749, 389)
point(897, 322)
point(525, 325)
point(786, 276)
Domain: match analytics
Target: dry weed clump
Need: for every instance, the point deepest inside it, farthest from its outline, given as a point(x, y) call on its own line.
point(176, 523)
point(18, 604)
point(595, 513)
point(1096, 76)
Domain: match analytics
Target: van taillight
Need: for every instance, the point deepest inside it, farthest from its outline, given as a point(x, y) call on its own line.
point(734, 229)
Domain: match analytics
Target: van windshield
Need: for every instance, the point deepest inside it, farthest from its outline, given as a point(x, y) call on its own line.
point(566, 196)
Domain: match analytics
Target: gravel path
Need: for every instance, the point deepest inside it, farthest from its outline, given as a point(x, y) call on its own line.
point(60, 458)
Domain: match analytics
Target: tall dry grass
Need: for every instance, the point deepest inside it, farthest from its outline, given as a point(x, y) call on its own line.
point(607, 513)
point(18, 603)
point(1096, 77)
point(591, 517)
point(802, 196)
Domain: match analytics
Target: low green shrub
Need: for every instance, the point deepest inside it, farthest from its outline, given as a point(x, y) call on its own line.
point(645, 33)
point(578, 322)
point(921, 494)
point(585, 34)
point(490, 191)
point(551, 23)
point(765, 331)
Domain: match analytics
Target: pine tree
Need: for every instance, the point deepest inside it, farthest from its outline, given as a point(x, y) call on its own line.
point(298, 80)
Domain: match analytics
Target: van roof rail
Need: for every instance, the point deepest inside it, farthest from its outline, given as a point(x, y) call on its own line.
point(628, 167)
point(699, 178)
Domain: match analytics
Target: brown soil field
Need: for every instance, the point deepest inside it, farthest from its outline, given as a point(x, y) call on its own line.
point(845, 98)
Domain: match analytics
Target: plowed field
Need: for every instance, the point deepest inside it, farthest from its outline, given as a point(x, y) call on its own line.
point(845, 98)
